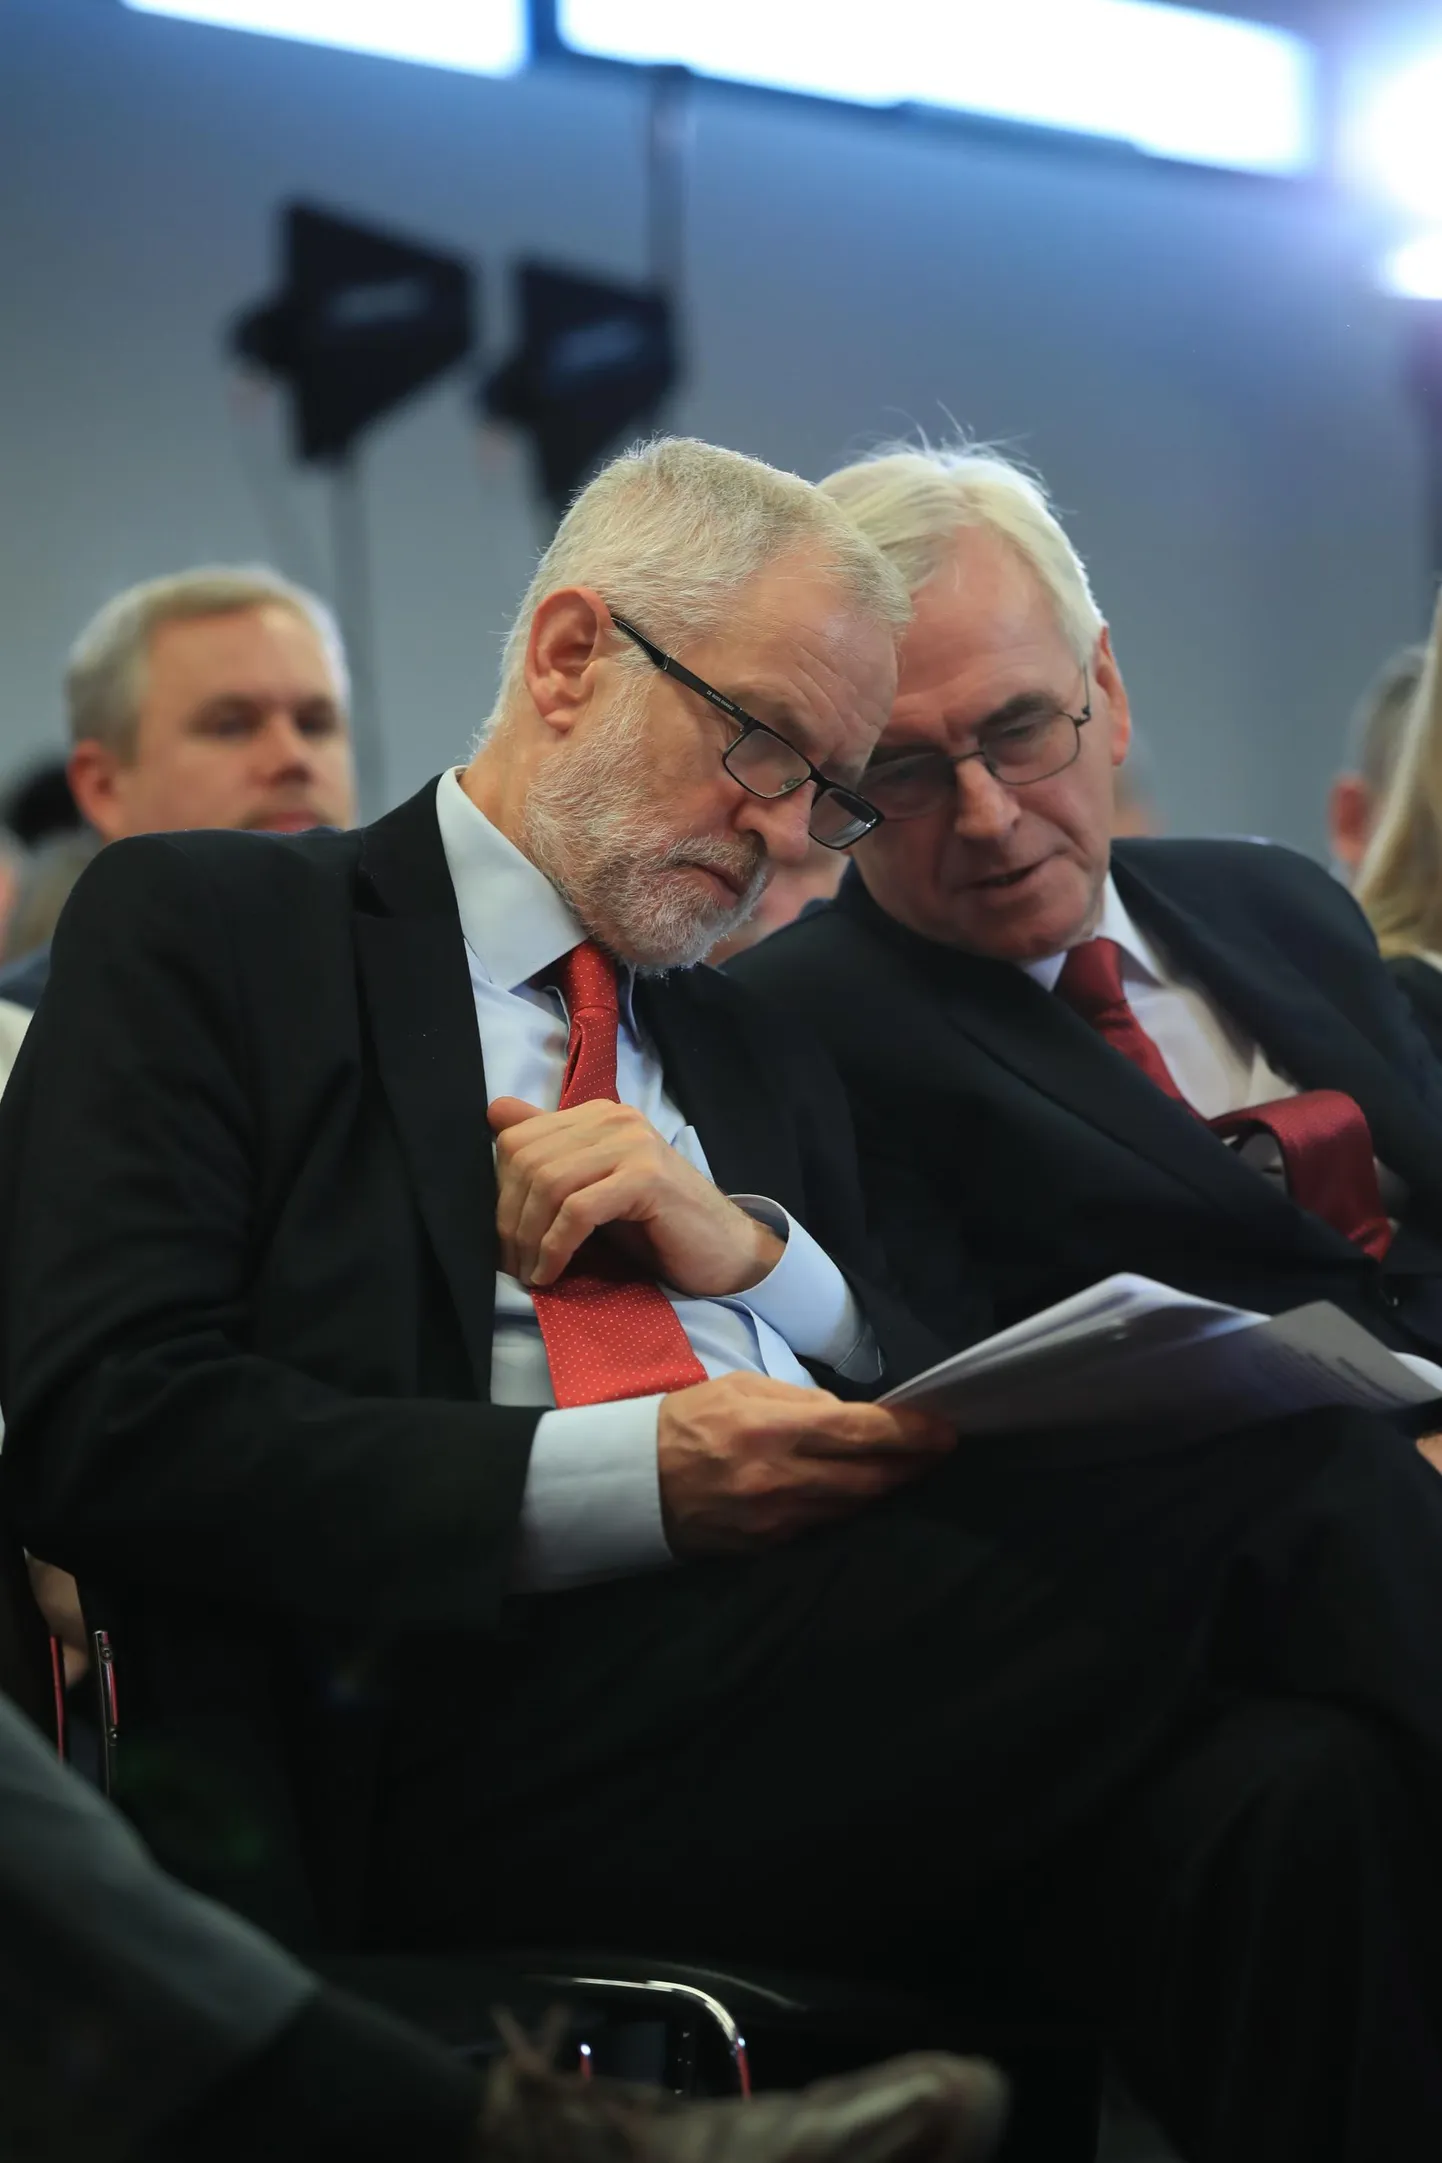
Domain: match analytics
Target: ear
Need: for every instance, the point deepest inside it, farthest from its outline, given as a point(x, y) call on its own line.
point(93, 770)
point(1107, 678)
point(1349, 819)
point(570, 636)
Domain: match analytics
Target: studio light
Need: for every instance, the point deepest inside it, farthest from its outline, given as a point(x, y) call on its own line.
point(480, 37)
point(1394, 144)
point(1168, 80)
point(1415, 269)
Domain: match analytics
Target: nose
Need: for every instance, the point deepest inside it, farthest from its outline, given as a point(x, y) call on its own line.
point(283, 749)
point(985, 809)
point(782, 822)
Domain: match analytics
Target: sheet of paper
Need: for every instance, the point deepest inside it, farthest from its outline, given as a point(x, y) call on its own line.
point(1131, 1352)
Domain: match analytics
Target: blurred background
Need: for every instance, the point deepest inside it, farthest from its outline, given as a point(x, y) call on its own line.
point(1166, 274)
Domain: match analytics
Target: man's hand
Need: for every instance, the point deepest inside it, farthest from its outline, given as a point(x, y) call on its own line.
point(562, 1175)
point(747, 1462)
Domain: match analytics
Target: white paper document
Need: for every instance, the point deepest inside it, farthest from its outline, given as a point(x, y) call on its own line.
point(1130, 1352)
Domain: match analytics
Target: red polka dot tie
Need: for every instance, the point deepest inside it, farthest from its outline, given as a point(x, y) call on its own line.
point(608, 1332)
point(1323, 1136)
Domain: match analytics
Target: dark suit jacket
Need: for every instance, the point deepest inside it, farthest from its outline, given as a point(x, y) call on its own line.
point(1421, 984)
point(1003, 1139)
point(247, 1206)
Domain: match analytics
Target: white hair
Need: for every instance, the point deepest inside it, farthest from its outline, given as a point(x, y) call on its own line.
point(911, 501)
point(670, 532)
point(105, 673)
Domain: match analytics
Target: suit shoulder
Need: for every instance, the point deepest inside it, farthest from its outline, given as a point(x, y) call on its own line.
point(1241, 872)
point(817, 943)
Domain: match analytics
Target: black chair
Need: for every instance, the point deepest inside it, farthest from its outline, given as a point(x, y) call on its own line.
point(693, 2027)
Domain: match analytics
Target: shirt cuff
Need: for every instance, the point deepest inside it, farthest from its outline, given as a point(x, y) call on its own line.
point(592, 1503)
point(807, 1301)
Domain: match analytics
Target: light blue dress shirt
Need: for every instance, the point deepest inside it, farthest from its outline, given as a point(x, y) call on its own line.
point(592, 1504)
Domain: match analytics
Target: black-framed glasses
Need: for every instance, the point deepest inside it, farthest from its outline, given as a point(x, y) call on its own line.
point(1032, 746)
point(765, 764)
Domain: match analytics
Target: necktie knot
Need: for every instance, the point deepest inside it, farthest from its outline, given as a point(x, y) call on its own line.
point(1091, 979)
point(586, 980)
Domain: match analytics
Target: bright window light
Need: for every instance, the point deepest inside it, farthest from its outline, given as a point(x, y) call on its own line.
point(1394, 144)
point(482, 37)
point(1416, 268)
point(1169, 80)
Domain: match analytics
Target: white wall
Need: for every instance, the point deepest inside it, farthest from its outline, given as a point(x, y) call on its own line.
point(1199, 365)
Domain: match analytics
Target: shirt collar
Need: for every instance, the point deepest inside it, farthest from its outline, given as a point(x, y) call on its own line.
point(514, 921)
point(1139, 958)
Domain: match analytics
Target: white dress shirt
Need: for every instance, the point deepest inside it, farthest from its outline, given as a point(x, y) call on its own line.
point(1216, 1065)
point(592, 1504)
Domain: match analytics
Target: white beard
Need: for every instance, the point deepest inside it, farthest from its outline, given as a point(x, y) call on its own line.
point(586, 825)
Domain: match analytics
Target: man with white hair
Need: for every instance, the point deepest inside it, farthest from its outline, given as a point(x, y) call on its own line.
point(212, 697)
point(1185, 1055)
point(437, 1322)
point(1066, 1058)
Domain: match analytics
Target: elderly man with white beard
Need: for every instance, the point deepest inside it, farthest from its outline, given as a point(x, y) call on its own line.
point(436, 1241)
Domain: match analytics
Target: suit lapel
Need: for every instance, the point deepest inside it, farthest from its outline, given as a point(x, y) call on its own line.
point(417, 993)
point(1050, 1048)
point(714, 1081)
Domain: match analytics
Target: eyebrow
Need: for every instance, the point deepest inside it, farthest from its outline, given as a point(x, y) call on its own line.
point(1021, 707)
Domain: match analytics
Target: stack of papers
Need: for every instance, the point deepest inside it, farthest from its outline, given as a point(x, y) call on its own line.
point(1131, 1352)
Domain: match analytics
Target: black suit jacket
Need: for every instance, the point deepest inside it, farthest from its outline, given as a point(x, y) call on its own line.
point(247, 1205)
point(1005, 1144)
point(1421, 985)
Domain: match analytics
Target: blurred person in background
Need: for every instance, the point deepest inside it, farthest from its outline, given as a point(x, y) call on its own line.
point(36, 804)
point(1399, 879)
point(213, 697)
point(1134, 809)
point(46, 876)
point(1376, 735)
point(12, 865)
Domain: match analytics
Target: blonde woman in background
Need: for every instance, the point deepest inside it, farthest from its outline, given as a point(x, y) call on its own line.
point(1399, 883)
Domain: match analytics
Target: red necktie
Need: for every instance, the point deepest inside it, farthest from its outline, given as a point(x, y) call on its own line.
point(1323, 1136)
point(608, 1332)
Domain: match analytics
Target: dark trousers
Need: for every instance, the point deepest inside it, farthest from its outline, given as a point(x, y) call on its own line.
point(1160, 1728)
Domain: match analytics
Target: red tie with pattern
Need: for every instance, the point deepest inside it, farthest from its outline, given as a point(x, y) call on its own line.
point(1323, 1136)
point(608, 1333)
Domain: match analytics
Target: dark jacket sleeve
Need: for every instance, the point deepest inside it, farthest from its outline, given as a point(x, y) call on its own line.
point(145, 1433)
point(835, 1210)
point(896, 1229)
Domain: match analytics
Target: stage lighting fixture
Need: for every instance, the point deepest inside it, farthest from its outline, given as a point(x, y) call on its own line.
point(595, 359)
point(1415, 269)
point(363, 319)
point(1171, 81)
point(1393, 145)
point(479, 37)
